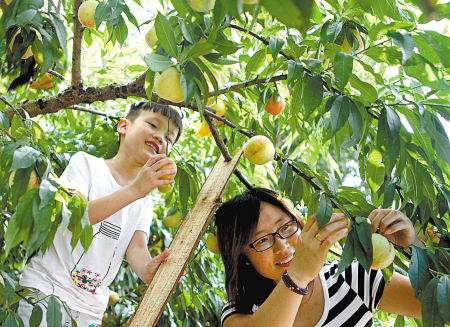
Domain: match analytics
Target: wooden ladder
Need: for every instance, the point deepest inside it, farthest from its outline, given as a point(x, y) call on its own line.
point(157, 295)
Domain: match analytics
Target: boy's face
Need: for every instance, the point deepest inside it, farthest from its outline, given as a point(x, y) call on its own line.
point(149, 134)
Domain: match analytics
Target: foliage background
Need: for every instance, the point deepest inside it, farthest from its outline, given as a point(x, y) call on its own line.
point(372, 116)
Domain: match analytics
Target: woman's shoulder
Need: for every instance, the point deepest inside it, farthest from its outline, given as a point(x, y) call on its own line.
point(230, 309)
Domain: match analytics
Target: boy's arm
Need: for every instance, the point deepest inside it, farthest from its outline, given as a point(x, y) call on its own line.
point(145, 182)
point(140, 260)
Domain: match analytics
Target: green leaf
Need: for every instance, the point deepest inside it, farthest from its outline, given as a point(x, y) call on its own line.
point(156, 62)
point(385, 8)
point(406, 42)
point(216, 58)
point(225, 46)
point(340, 111)
point(295, 70)
point(36, 316)
point(375, 172)
point(188, 86)
point(121, 31)
point(292, 13)
point(275, 45)
point(399, 321)
point(53, 315)
point(20, 223)
point(330, 32)
point(24, 157)
point(427, 74)
point(324, 211)
point(102, 12)
point(255, 62)
point(312, 92)
point(283, 171)
point(443, 297)
point(165, 35)
point(418, 271)
point(379, 30)
point(149, 82)
point(184, 189)
point(196, 50)
point(342, 67)
point(348, 253)
point(297, 190)
point(364, 231)
point(368, 92)
point(388, 136)
point(4, 121)
point(440, 45)
point(439, 139)
point(430, 311)
point(60, 31)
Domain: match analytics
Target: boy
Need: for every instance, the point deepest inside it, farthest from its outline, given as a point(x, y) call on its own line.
point(120, 213)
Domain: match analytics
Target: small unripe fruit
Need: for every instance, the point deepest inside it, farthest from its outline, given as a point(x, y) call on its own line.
point(212, 244)
point(172, 221)
point(259, 150)
point(86, 13)
point(168, 187)
point(150, 36)
point(113, 298)
point(383, 252)
point(251, 2)
point(219, 107)
point(165, 188)
point(202, 5)
point(167, 85)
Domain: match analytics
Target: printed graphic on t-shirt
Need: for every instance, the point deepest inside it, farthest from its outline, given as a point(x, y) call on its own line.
point(84, 273)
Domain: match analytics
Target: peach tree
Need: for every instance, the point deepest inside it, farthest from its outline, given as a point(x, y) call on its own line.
point(365, 87)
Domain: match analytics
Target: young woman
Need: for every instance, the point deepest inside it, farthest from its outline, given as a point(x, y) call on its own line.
point(276, 274)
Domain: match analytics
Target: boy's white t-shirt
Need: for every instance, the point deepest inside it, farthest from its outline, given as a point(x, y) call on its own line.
point(81, 279)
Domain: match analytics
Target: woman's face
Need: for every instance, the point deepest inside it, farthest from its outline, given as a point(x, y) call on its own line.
point(272, 262)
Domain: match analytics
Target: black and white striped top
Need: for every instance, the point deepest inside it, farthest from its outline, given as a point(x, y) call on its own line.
point(350, 297)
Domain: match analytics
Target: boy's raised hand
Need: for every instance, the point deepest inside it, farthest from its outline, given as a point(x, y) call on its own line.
point(149, 177)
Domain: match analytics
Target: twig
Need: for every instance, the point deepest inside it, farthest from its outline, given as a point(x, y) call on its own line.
point(243, 180)
point(256, 36)
point(77, 40)
point(80, 108)
point(56, 74)
point(9, 134)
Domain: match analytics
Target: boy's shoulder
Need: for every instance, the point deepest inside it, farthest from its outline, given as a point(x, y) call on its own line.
point(81, 155)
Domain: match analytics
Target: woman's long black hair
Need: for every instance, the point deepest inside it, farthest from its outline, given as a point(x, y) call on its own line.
point(236, 221)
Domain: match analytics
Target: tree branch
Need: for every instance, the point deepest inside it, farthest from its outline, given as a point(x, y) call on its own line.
point(95, 112)
point(77, 82)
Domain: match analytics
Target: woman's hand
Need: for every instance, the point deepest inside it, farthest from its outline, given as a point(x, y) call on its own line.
point(393, 225)
point(313, 245)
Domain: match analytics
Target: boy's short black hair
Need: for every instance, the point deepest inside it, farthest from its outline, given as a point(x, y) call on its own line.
point(135, 110)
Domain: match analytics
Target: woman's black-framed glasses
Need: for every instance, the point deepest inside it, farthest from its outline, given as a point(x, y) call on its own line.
point(267, 241)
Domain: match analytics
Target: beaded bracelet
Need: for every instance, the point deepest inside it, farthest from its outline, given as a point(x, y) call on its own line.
point(292, 286)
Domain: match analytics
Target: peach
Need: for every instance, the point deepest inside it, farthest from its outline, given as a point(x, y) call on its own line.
point(259, 150)
point(86, 13)
point(383, 252)
point(167, 85)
